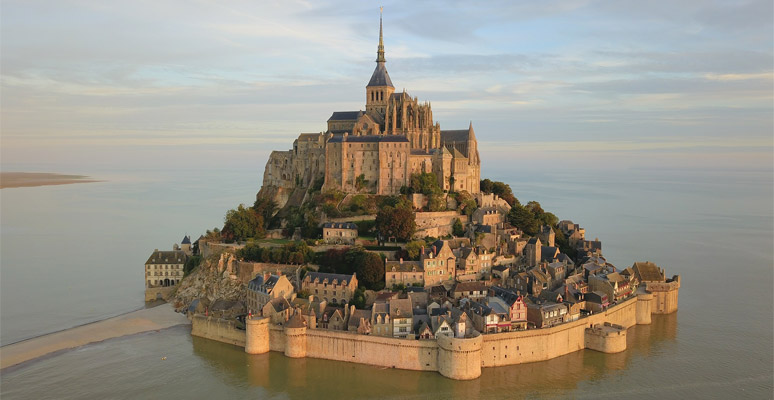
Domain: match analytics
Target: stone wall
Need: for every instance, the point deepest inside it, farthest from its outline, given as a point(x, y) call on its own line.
point(246, 271)
point(437, 224)
point(454, 358)
point(157, 293)
point(217, 329)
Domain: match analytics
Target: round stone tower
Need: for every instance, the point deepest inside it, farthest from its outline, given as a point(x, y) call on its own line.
point(459, 358)
point(644, 306)
point(295, 337)
point(256, 335)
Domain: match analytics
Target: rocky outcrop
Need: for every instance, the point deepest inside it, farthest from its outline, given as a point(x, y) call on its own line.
point(214, 285)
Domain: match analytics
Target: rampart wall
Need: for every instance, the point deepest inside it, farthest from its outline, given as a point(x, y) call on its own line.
point(157, 293)
point(217, 329)
point(454, 358)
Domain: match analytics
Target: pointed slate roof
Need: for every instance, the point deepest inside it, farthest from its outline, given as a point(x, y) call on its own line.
point(380, 77)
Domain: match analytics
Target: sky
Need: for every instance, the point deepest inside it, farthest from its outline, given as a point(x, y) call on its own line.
point(571, 83)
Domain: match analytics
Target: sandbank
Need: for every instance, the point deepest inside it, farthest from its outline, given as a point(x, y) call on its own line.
point(29, 179)
point(148, 319)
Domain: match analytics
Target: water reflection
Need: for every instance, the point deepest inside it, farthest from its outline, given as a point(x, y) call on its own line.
point(325, 379)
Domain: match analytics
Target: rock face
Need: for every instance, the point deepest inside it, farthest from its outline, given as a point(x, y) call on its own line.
point(215, 286)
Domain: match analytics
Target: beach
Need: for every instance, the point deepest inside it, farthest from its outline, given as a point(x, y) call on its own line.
point(30, 179)
point(148, 319)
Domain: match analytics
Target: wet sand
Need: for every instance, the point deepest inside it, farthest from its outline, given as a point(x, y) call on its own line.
point(148, 319)
point(29, 179)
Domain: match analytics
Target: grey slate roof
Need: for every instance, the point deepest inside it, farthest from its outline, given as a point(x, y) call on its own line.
point(455, 135)
point(345, 115)
point(340, 225)
point(380, 77)
point(167, 257)
point(186, 240)
point(401, 308)
point(342, 278)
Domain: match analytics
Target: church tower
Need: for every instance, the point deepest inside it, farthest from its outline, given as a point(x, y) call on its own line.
point(379, 88)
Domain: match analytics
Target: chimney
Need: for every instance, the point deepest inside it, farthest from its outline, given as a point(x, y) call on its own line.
point(401, 260)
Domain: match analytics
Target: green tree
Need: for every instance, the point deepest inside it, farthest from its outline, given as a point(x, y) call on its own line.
point(243, 223)
point(191, 264)
point(265, 207)
point(425, 183)
point(524, 219)
point(457, 228)
point(370, 270)
point(414, 249)
point(397, 222)
point(358, 298)
point(501, 189)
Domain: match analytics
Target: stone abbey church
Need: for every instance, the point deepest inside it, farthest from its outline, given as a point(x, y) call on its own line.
point(376, 150)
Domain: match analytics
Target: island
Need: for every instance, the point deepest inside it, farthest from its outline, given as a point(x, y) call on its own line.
point(376, 241)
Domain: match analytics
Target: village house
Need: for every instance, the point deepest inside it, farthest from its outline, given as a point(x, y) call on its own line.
point(589, 247)
point(546, 314)
point(532, 251)
point(483, 317)
point(597, 301)
point(406, 273)
point(402, 317)
point(278, 310)
point(422, 328)
point(339, 232)
point(334, 319)
point(517, 307)
point(487, 216)
point(438, 263)
point(164, 268)
point(548, 254)
point(380, 319)
point(442, 325)
point(615, 286)
point(333, 288)
point(265, 287)
point(475, 290)
point(547, 235)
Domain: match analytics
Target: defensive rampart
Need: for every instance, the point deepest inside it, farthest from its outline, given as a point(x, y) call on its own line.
point(217, 329)
point(455, 358)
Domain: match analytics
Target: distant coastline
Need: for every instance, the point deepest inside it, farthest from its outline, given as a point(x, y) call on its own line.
point(30, 179)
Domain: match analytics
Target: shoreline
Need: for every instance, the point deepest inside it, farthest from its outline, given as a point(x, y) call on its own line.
point(140, 321)
point(9, 180)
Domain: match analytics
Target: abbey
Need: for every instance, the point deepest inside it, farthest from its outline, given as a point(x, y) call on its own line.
point(376, 150)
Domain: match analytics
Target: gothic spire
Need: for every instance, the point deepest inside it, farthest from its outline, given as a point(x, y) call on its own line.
point(380, 51)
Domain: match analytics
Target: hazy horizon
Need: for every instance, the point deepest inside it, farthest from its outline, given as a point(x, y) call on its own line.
point(579, 84)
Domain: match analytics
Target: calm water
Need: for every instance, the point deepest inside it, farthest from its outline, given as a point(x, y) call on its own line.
point(73, 254)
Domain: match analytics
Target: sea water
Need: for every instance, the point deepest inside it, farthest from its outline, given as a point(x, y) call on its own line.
point(74, 254)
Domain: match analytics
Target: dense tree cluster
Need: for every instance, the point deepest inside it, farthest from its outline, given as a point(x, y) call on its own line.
point(426, 183)
point(501, 189)
point(368, 266)
point(397, 222)
point(457, 229)
point(531, 217)
point(291, 253)
point(191, 264)
point(466, 204)
point(243, 223)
